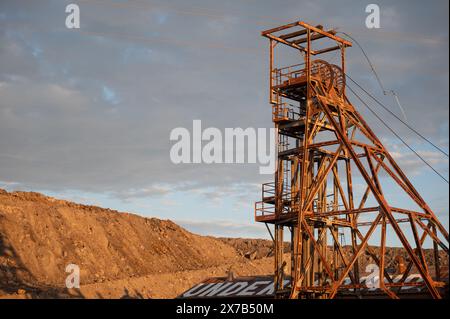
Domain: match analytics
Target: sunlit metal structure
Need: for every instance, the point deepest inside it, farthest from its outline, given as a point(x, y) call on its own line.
point(324, 148)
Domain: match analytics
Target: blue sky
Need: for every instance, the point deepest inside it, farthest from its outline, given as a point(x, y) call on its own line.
point(86, 114)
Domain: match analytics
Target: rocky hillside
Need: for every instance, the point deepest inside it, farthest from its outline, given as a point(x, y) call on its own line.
point(40, 235)
point(119, 254)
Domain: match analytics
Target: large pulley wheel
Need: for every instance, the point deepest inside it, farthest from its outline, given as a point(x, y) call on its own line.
point(323, 72)
point(338, 79)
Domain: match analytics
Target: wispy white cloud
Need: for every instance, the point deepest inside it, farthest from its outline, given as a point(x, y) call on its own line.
point(166, 65)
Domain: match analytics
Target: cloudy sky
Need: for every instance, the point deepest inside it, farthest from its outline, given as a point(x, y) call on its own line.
point(86, 114)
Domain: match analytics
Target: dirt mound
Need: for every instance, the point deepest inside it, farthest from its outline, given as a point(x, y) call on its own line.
point(119, 254)
point(40, 235)
point(252, 248)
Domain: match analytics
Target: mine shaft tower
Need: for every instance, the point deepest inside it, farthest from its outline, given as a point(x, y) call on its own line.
point(323, 147)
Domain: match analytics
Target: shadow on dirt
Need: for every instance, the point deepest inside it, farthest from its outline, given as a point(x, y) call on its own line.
point(16, 281)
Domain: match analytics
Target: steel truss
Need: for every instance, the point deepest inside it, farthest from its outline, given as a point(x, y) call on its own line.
point(324, 144)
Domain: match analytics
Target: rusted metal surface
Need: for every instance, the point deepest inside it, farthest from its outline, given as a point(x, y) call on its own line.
point(323, 146)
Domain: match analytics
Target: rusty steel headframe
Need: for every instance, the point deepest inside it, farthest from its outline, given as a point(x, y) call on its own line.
point(323, 146)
